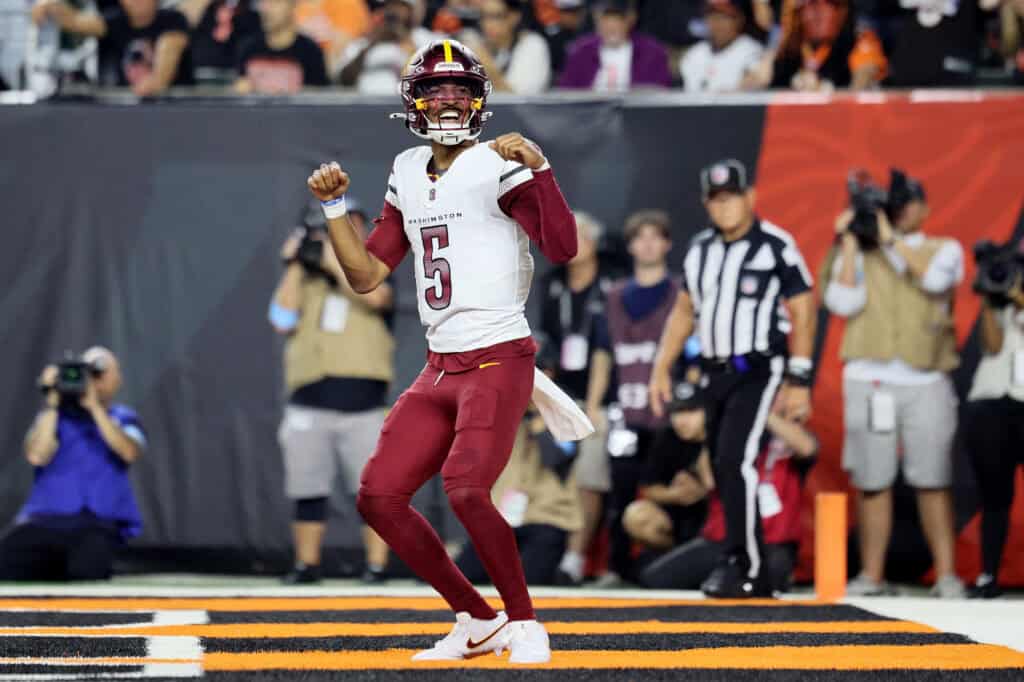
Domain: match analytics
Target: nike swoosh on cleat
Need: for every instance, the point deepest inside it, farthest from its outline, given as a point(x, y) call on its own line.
point(470, 644)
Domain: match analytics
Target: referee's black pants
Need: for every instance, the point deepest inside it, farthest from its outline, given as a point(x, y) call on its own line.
point(737, 406)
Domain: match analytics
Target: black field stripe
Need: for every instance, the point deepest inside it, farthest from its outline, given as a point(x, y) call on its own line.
point(64, 647)
point(639, 642)
point(672, 614)
point(21, 619)
point(621, 675)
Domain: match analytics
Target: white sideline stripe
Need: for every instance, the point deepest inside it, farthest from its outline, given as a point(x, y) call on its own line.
point(174, 648)
point(988, 621)
point(181, 618)
point(156, 670)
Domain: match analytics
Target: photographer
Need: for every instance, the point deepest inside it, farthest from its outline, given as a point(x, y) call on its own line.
point(373, 65)
point(536, 494)
point(338, 364)
point(895, 286)
point(994, 416)
point(81, 506)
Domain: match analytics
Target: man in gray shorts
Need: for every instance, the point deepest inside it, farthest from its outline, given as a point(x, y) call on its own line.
point(895, 287)
point(338, 364)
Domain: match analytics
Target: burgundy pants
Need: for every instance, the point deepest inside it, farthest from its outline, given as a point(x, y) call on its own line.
point(462, 425)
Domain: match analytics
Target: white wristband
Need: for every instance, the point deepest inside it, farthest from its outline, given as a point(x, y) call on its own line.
point(335, 208)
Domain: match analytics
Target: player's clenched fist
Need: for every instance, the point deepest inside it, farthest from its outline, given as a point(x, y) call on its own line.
point(515, 147)
point(328, 181)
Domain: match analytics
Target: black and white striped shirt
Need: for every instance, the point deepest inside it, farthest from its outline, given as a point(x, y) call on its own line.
point(737, 290)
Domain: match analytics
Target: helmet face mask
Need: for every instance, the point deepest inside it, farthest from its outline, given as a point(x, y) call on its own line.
point(445, 92)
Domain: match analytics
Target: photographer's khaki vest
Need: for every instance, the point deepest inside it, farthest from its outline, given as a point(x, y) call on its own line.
point(900, 320)
point(362, 350)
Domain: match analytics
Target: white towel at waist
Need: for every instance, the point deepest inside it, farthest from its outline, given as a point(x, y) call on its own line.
point(564, 419)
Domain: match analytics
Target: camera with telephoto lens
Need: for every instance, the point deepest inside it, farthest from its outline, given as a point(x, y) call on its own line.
point(999, 268)
point(311, 249)
point(866, 199)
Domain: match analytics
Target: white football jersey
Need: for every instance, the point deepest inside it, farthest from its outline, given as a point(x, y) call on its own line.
point(473, 264)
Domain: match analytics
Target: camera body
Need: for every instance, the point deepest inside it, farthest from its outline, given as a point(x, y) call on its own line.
point(311, 249)
point(999, 267)
point(866, 199)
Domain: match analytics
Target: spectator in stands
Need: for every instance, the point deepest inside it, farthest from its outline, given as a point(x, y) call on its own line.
point(720, 63)
point(822, 48)
point(675, 482)
point(1011, 27)
point(81, 507)
point(787, 453)
point(537, 496)
point(516, 60)
point(933, 44)
point(373, 64)
point(219, 29)
point(994, 422)
point(571, 24)
point(333, 24)
point(575, 299)
point(895, 289)
point(615, 58)
point(147, 45)
point(338, 363)
point(281, 60)
point(627, 335)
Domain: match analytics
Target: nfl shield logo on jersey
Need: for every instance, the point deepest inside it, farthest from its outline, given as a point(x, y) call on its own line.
point(748, 285)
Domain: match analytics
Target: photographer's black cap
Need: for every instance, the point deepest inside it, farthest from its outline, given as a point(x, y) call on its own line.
point(727, 175)
point(685, 396)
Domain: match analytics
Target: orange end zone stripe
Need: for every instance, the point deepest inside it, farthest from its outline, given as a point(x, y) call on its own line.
point(358, 603)
point(292, 630)
point(920, 657)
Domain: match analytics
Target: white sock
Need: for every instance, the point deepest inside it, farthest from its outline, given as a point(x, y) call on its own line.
point(572, 564)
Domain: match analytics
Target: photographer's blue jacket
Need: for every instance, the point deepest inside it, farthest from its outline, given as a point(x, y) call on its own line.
point(85, 476)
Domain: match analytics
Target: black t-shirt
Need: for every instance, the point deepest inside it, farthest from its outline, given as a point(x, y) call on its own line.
point(565, 312)
point(223, 28)
point(342, 394)
point(668, 455)
point(282, 71)
point(931, 49)
point(128, 52)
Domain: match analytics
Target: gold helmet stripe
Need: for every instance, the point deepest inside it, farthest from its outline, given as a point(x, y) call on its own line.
point(448, 51)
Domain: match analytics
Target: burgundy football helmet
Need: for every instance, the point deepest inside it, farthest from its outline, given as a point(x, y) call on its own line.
point(426, 113)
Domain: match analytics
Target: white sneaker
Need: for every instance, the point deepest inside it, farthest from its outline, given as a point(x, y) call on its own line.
point(529, 642)
point(863, 586)
point(948, 587)
point(470, 637)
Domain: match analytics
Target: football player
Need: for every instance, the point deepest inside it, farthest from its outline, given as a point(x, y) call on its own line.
point(468, 211)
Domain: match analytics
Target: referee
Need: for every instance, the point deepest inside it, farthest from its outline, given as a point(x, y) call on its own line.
point(735, 277)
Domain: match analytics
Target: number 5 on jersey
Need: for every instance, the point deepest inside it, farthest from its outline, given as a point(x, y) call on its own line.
point(435, 268)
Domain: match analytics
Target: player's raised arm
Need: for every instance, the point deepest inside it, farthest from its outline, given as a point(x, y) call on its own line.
point(363, 270)
point(537, 205)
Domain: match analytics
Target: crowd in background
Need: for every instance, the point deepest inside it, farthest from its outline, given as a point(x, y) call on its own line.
point(527, 46)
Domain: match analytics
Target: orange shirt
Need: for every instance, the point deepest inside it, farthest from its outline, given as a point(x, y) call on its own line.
point(319, 19)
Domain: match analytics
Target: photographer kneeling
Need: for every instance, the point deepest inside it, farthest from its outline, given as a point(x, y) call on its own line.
point(81, 506)
point(994, 418)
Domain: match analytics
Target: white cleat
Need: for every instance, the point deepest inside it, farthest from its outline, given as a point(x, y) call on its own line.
point(470, 637)
point(528, 642)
